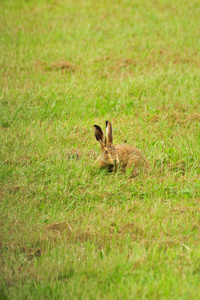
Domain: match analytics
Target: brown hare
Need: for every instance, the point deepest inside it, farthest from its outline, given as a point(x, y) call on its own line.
point(122, 156)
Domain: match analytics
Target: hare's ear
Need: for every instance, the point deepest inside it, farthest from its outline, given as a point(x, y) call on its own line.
point(98, 133)
point(109, 134)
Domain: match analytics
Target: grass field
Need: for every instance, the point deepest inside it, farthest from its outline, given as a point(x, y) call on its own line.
point(68, 230)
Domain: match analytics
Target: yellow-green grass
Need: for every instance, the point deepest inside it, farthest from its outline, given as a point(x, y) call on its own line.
point(68, 230)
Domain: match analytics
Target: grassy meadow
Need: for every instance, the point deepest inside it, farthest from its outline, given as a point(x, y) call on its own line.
point(67, 229)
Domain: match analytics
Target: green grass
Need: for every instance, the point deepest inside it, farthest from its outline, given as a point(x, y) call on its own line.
point(68, 230)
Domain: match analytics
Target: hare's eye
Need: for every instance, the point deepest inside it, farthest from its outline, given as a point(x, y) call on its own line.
point(106, 151)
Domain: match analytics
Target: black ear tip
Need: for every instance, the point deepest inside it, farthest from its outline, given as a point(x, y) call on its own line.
point(107, 123)
point(97, 127)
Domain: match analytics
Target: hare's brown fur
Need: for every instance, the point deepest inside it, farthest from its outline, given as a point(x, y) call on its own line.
point(123, 156)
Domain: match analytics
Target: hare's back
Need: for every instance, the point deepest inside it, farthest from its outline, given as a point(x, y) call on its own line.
point(128, 150)
point(131, 155)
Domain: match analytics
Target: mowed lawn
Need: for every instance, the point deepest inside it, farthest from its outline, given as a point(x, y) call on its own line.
point(67, 229)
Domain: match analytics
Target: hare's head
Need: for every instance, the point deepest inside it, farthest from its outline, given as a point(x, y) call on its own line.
point(108, 152)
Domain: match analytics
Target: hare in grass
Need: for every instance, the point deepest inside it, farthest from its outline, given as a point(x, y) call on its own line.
point(115, 156)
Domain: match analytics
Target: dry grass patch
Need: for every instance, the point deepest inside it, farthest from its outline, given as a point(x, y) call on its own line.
point(63, 66)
